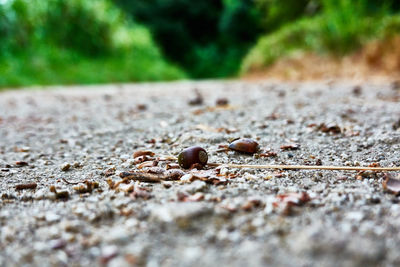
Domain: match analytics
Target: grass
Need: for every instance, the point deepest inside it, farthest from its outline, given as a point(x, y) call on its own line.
point(332, 32)
point(48, 66)
point(76, 42)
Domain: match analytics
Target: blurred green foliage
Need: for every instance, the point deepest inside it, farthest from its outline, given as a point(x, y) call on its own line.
point(95, 41)
point(73, 41)
point(208, 38)
point(341, 26)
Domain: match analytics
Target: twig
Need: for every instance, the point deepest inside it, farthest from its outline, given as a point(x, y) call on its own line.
point(300, 167)
point(308, 167)
point(68, 182)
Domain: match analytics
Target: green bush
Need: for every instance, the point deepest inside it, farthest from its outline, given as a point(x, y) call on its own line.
point(342, 27)
point(207, 38)
point(73, 41)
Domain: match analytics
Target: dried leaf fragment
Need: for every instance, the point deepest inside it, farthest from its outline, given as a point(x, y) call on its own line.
point(143, 153)
point(147, 164)
point(268, 154)
point(208, 176)
point(139, 192)
point(21, 163)
point(293, 146)
point(172, 166)
point(329, 128)
point(297, 199)
point(87, 187)
point(183, 197)
point(59, 194)
point(251, 204)
point(152, 177)
point(109, 172)
point(285, 202)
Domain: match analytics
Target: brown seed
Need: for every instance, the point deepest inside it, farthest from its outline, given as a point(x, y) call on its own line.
point(244, 145)
point(141, 107)
point(193, 155)
point(222, 101)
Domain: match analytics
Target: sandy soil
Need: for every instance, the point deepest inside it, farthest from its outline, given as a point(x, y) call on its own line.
point(55, 137)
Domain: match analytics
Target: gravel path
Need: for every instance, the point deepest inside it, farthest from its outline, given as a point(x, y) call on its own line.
point(52, 138)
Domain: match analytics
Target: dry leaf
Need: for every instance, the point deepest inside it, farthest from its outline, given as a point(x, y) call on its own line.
point(329, 128)
point(285, 202)
point(143, 153)
point(268, 154)
point(139, 192)
point(293, 146)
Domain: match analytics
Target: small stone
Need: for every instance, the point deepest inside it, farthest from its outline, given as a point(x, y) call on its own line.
point(195, 186)
point(52, 217)
point(65, 167)
point(117, 236)
point(77, 164)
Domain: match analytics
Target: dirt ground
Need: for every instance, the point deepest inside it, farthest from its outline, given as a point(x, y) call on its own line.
point(62, 151)
point(377, 60)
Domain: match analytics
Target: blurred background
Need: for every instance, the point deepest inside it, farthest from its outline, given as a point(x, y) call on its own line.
point(106, 41)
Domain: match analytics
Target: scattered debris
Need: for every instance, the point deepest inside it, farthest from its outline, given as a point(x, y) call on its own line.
point(285, 202)
point(59, 194)
point(251, 204)
point(140, 192)
point(22, 149)
point(183, 197)
point(21, 163)
point(294, 146)
point(396, 125)
point(222, 101)
point(26, 186)
point(273, 116)
point(197, 100)
point(148, 164)
point(269, 154)
point(115, 185)
point(143, 153)
point(208, 176)
point(172, 166)
point(110, 172)
point(141, 107)
point(87, 187)
point(329, 128)
point(142, 159)
point(214, 109)
point(142, 176)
